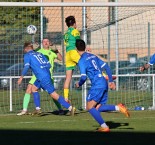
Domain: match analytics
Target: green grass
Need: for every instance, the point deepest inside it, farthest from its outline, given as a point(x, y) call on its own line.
point(78, 129)
point(130, 98)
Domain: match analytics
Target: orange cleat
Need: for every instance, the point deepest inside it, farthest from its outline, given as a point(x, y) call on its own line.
point(123, 110)
point(101, 129)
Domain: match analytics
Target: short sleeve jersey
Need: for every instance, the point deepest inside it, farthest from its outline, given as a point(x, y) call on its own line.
point(90, 65)
point(38, 64)
point(70, 38)
point(50, 55)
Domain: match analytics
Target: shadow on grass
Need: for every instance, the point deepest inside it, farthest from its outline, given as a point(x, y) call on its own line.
point(65, 112)
point(113, 125)
point(40, 137)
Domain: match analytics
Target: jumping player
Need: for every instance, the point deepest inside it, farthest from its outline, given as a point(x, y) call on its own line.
point(72, 56)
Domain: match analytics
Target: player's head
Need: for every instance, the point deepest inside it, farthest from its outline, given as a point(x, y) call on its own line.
point(70, 21)
point(80, 45)
point(28, 46)
point(46, 43)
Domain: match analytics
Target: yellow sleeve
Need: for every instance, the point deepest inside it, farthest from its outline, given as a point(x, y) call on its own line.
point(76, 34)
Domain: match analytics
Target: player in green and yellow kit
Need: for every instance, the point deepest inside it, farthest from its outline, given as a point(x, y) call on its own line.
point(72, 56)
point(51, 56)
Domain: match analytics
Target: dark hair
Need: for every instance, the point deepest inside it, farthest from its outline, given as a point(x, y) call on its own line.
point(28, 44)
point(45, 38)
point(70, 20)
point(80, 45)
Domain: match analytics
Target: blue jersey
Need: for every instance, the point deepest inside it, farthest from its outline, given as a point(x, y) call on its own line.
point(90, 65)
point(152, 60)
point(38, 63)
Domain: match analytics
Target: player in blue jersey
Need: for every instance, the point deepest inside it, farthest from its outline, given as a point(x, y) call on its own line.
point(147, 65)
point(90, 65)
point(40, 66)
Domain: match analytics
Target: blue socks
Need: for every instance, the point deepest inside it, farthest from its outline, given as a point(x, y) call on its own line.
point(36, 97)
point(106, 108)
point(97, 116)
point(62, 101)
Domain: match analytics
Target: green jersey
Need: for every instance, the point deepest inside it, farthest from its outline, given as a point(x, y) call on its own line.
point(70, 38)
point(50, 55)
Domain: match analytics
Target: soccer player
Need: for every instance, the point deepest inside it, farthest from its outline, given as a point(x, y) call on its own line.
point(147, 65)
point(51, 55)
point(90, 65)
point(72, 57)
point(40, 66)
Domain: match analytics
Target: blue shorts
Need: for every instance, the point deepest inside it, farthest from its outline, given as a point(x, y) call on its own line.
point(46, 84)
point(98, 95)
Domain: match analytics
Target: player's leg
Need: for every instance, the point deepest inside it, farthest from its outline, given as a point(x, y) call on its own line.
point(49, 87)
point(61, 100)
point(26, 100)
point(36, 97)
point(103, 107)
point(97, 116)
point(61, 112)
point(94, 96)
point(67, 83)
point(72, 58)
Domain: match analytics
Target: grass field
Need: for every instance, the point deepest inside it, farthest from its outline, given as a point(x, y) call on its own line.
point(51, 129)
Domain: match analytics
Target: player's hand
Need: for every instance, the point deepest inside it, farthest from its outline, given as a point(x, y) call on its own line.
point(112, 85)
point(141, 69)
point(145, 67)
point(54, 48)
point(19, 80)
point(77, 85)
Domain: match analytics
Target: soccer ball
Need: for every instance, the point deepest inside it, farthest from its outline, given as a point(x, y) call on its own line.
point(31, 29)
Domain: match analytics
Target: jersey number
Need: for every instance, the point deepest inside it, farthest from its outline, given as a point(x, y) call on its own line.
point(95, 65)
point(40, 59)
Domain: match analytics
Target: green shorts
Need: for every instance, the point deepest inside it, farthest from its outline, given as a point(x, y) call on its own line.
point(33, 79)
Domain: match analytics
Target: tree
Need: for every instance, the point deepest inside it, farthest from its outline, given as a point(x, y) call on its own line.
point(14, 20)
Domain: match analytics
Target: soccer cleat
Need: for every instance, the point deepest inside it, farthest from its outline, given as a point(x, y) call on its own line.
point(22, 113)
point(101, 129)
point(37, 112)
point(123, 110)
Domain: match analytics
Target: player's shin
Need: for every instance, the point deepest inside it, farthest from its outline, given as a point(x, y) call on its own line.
point(36, 97)
point(65, 104)
point(96, 115)
point(26, 101)
point(66, 94)
point(57, 104)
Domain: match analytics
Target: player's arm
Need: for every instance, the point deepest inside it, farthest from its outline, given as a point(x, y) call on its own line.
point(25, 69)
point(105, 66)
point(76, 34)
point(83, 77)
point(56, 51)
point(144, 67)
point(147, 65)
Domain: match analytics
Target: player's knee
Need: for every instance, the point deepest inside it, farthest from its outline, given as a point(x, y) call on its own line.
point(29, 89)
point(34, 89)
